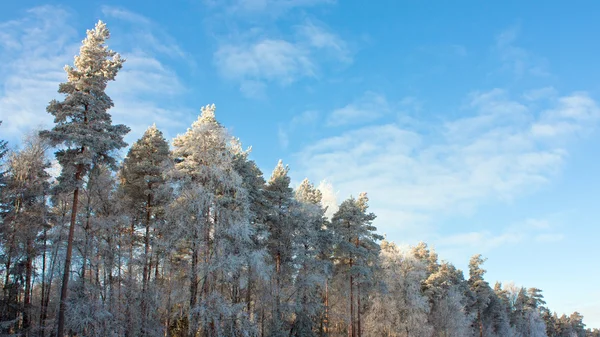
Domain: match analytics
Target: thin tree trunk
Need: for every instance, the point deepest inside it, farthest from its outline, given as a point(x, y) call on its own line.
point(358, 301)
point(129, 331)
point(358, 309)
point(28, 286)
point(43, 290)
point(147, 263)
point(480, 324)
point(46, 297)
point(65, 283)
point(326, 321)
point(351, 331)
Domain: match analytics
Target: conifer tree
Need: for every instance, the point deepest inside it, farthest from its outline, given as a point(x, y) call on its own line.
point(143, 182)
point(356, 252)
point(312, 246)
point(279, 198)
point(84, 128)
point(25, 197)
point(213, 216)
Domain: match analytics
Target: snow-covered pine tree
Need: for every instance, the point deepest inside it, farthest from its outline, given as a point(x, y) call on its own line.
point(212, 217)
point(279, 198)
point(356, 253)
point(24, 195)
point(400, 309)
point(84, 128)
point(446, 289)
point(312, 245)
point(144, 184)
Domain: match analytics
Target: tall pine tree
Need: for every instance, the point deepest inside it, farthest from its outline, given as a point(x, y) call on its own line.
point(84, 128)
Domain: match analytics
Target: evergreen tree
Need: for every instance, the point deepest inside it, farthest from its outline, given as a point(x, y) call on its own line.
point(312, 243)
point(279, 198)
point(84, 127)
point(25, 192)
point(143, 182)
point(400, 308)
point(356, 251)
point(213, 221)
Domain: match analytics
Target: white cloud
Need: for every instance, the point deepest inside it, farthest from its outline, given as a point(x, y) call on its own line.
point(414, 176)
point(365, 109)
point(35, 49)
point(255, 60)
point(269, 60)
point(39, 45)
point(319, 37)
point(540, 94)
point(577, 113)
point(549, 237)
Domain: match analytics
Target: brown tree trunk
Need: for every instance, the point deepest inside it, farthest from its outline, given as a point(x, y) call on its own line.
point(326, 321)
point(358, 301)
point(43, 290)
point(147, 263)
point(358, 309)
point(351, 331)
point(480, 324)
point(27, 297)
point(65, 283)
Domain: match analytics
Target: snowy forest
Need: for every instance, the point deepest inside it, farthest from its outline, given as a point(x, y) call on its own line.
point(192, 239)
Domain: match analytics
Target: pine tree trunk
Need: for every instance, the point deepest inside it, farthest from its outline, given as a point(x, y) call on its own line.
point(43, 290)
point(326, 322)
point(480, 324)
point(351, 331)
point(358, 309)
point(46, 297)
point(65, 283)
point(358, 300)
point(277, 290)
point(27, 297)
point(129, 330)
point(147, 263)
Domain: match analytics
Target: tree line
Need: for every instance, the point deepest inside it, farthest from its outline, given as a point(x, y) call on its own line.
point(193, 240)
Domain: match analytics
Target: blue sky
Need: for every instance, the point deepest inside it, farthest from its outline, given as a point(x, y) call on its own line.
point(472, 126)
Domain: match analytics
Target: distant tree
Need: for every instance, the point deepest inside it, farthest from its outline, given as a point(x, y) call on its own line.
point(84, 128)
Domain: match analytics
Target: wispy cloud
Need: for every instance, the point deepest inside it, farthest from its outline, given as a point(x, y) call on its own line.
point(254, 59)
point(529, 230)
point(365, 109)
point(516, 59)
point(265, 60)
point(35, 48)
point(44, 40)
point(454, 166)
point(304, 119)
point(273, 8)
